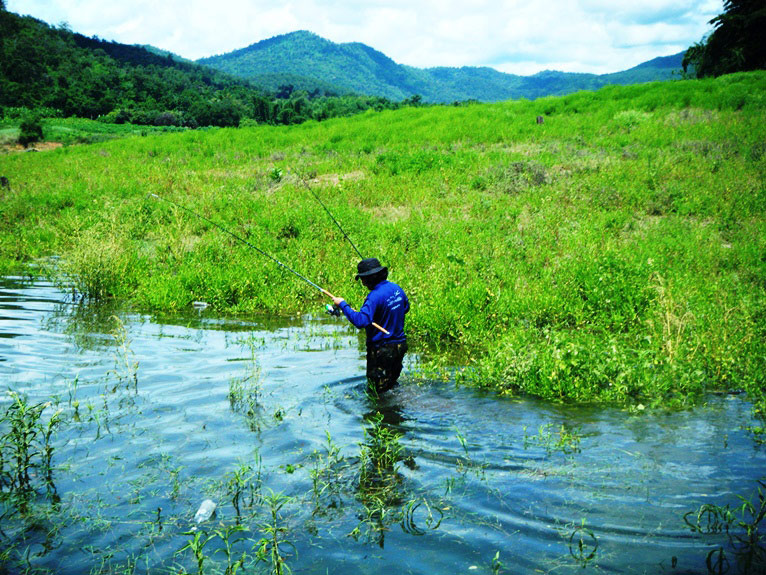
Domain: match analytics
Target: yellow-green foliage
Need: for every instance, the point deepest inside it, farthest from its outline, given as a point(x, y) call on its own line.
point(613, 253)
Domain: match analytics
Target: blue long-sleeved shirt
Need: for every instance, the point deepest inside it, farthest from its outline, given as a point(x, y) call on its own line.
point(386, 305)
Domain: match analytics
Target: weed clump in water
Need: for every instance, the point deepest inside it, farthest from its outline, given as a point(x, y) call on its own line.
point(742, 527)
point(26, 451)
point(98, 264)
point(380, 455)
point(379, 479)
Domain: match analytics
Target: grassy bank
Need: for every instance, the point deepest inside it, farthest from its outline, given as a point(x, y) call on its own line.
point(614, 252)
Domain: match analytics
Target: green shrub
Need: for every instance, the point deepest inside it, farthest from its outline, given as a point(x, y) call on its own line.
point(99, 264)
point(30, 130)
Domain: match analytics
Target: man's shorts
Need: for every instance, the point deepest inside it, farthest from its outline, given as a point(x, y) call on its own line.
point(384, 365)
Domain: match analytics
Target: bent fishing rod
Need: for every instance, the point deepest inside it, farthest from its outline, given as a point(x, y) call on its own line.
point(259, 250)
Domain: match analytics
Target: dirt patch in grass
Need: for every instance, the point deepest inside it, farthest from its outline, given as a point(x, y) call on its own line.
point(336, 179)
point(37, 147)
point(389, 213)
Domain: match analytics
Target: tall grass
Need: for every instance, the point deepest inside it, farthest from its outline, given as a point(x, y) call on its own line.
point(613, 253)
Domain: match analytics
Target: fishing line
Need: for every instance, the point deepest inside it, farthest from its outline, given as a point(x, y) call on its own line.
point(332, 217)
point(232, 234)
point(260, 251)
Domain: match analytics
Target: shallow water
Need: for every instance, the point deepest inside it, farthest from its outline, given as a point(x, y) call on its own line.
point(150, 431)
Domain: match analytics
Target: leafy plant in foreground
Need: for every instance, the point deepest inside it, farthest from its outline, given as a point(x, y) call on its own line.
point(26, 450)
point(742, 526)
point(225, 535)
point(269, 547)
point(381, 452)
point(244, 485)
point(199, 539)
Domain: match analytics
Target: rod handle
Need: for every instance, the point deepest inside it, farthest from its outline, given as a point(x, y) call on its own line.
point(380, 328)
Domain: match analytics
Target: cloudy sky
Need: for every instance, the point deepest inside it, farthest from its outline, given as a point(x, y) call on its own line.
point(515, 36)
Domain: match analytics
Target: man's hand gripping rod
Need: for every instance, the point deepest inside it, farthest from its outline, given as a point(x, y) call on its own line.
point(375, 325)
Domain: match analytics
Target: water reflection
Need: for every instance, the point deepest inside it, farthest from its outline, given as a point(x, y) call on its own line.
point(87, 324)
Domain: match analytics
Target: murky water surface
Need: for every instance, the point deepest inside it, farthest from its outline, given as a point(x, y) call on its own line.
point(162, 413)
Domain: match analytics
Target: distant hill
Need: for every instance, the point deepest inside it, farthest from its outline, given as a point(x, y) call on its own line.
point(309, 62)
point(57, 72)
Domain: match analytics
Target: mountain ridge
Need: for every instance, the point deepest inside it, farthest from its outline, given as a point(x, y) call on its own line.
point(355, 67)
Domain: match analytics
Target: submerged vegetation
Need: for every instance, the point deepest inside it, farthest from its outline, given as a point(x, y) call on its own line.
point(743, 529)
point(611, 253)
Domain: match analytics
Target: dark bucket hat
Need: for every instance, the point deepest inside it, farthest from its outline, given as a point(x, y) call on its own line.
point(368, 267)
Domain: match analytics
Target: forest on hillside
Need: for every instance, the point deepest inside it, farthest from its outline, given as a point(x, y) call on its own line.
point(314, 62)
point(57, 72)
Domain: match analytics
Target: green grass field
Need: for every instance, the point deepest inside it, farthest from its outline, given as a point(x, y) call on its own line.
point(614, 253)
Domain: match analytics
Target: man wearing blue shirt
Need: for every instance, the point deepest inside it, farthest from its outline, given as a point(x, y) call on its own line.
point(382, 316)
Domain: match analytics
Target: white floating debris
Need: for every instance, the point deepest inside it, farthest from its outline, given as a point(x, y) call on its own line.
point(205, 511)
point(199, 304)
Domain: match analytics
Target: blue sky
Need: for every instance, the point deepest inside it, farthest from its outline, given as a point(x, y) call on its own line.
point(519, 37)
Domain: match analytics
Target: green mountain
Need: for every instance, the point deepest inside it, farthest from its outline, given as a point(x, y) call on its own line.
point(56, 69)
point(57, 72)
point(309, 62)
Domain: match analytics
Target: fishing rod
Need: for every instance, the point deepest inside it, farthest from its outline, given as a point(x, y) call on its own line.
point(332, 217)
point(232, 234)
point(259, 250)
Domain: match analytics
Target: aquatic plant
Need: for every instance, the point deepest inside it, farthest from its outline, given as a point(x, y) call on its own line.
point(196, 544)
point(244, 390)
point(466, 463)
point(742, 527)
point(229, 536)
point(583, 544)
point(125, 366)
point(431, 518)
point(379, 480)
point(26, 450)
point(244, 485)
point(564, 439)
point(327, 475)
point(496, 565)
point(46, 432)
point(243, 398)
point(462, 440)
point(758, 433)
point(270, 548)
point(380, 455)
point(377, 516)
point(72, 400)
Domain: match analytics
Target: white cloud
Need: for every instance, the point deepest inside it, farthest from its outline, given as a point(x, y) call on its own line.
point(514, 36)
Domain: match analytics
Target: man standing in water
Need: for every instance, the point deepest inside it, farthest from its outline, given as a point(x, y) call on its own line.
point(385, 305)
